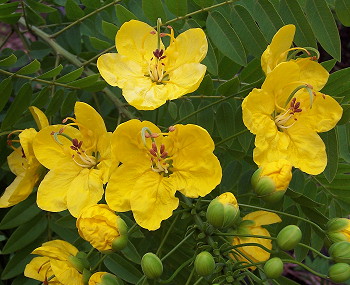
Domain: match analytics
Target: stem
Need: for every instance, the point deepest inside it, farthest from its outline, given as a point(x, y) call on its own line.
point(99, 262)
point(83, 18)
point(198, 281)
point(231, 137)
point(176, 272)
point(177, 246)
point(314, 250)
point(250, 244)
point(282, 213)
point(133, 227)
point(166, 235)
point(90, 252)
point(6, 38)
point(305, 267)
point(188, 282)
point(97, 56)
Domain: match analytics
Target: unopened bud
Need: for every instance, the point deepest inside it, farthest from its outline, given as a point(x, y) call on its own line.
point(104, 278)
point(339, 272)
point(151, 265)
point(273, 268)
point(223, 211)
point(340, 251)
point(119, 243)
point(338, 229)
point(289, 237)
point(204, 264)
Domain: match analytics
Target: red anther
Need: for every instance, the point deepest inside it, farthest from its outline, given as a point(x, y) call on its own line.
point(169, 27)
point(52, 133)
point(73, 147)
point(164, 154)
point(297, 104)
point(23, 154)
point(61, 131)
point(80, 143)
point(9, 142)
point(75, 142)
point(147, 135)
point(171, 129)
point(154, 135)
point(162, 57)
point(153, 32)
point(298, 110)
point(64, 120)
point(154, 147)
point(162, 148)
point(163, 35)
point(154, 153)
point(309, 86)
point(293, 102)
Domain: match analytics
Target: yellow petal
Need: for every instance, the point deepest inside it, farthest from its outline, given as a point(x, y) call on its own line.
point(105, 160)
point(153, 200)
point(324, 113)
point(85, 189)
point(189, 47)
point(52, 154)
point(17, 163)
point(263, 218)
point(39, 117)
point(65, 273)
point(279, 171)
point(137, 41)
point(53, 189)
point(39, 268)
point(26, 139)
point(118, 70)
point(56, 249)
point(276, 51)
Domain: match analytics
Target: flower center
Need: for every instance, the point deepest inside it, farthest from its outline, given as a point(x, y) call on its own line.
point(286, 119)
point(157, 71)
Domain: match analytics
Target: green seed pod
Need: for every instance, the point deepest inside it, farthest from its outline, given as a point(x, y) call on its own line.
point(339, 272)
point(223, 211)
point(273, 268)
point(151, 265)
point(289, 237)
point(204, 264)
point(340, 252)
point(120, 243)
point(110, 279)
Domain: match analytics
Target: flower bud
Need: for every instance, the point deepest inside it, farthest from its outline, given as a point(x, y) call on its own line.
point(204, 264)
point(151, 265)
point(339, 272)
point(273, 268)
point(104, 278)
point(340, 251)
point(102, 228)
point(271, 180)
point(338, 229)
point(223, 211)
point(289, 237)
point(77, 263)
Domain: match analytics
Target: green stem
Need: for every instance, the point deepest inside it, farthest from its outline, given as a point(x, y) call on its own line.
point(90, 252)
point(231, 137)
point(198, 281)
point(176, 272)
point(133, 227)
point(305, 267)
point(85, 17)
point(97, 56)
point(314, 250)
point(166, 235)
point(285, 214)
point(188, 282)
point(250, 244)
point(177, 246)
point(5, 133)
point(99, 262)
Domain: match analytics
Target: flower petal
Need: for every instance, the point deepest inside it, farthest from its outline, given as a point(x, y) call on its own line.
point(16, 162)
point(86, 189)
point(66, 273)
point(39, 268)
point(153, 200)
point(190, 46)
point(263, 218)
point(39, 117)
point(26, 139)
point(57, 249)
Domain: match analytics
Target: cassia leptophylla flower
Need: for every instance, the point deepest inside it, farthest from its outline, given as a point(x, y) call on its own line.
point(280, 47)
point(23, 163)
point(252, 225)
point(58, 264)
point(100, 226)
point(155, 165)
point(286, 114)
point(78, 159)
point(149, 74)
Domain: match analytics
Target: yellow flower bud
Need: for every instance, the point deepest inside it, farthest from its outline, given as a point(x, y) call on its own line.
point(339, 272)
point(204, 264)
point(223, 211)
point(289, 237)
point(104, 278)
point(338, 229)
point(273, 268)
point(151, 265)
point(101, 227)
point(271, 180)
point(340, 251)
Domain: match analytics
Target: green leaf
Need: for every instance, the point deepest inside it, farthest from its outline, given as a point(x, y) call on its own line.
point(33, 17)
point(109, 29)
point(206, 87)
point(123, 14)
point(324, 27)
point(225, 121)
point(153, 10)
point(131, 253)
point(8, 8)
point(86, 81)
point(10, 19)
point(18, 106)
point(73, 10)
point(172, 109)
point(229, 87)
point(52, 73)
point(342, 8)
point(329, 64)
point(8, 60)
point(248, 31)
point(93, 4)
point(122, 268)
point(40, 7)
point(225, 38)
point(68, 104)
point(55, 103)
point(330, 140)
point(5, 91)
point(20, 213)
point(178, 7)
point(25, 234)
point(204, 3)
point(205, 118)
point(338, 84)
point(71, 76)
point(344, 151)
point(185, 109)
point(30, 68)
point(41, 98)
point(99, 44)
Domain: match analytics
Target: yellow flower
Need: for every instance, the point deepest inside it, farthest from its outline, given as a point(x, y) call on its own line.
point(23, 163)
point(104, 278)
point(155, 165)
point(338, 229)
point(78, 159)
point(287, 113)
point(252, 225)
point(100, 226)
point(57, 260)
point(147, 73)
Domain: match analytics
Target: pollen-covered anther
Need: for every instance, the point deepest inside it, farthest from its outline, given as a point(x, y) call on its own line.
point(171, 128)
